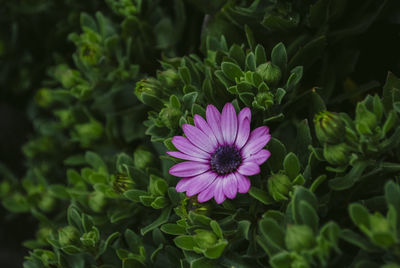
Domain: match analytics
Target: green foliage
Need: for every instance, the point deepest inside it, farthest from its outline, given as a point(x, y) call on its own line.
point(96, 178)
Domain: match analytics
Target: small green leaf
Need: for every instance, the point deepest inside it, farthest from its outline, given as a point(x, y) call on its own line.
point(308, 215)
point(279, 57)
point(95, 161)
point(215, 251)
point(260, 195)
point(216, 228)
point(272, 232)
point(291, 165)
point(359, 215)
point(152, 101)
point(231, 70)
point(134, 195)
point(184, 74)
point(173, 229)
point(163, 218)
point(185, 242)
point(260, 55)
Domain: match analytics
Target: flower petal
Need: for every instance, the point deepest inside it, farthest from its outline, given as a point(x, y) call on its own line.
point(200, 182)
point(243, 133)
point(244, 113)
point(257, 140)
point(207, 193)
point(188, 169)
point(219, 195)
point(198, 138)
point(183, 185)
point(229, 123)
point(259, 157)
point(214, 121)
point(203, 126)
point(243, 183)
point(185, 146)
point(187, 157)
point(248, 169)
point(230, 185)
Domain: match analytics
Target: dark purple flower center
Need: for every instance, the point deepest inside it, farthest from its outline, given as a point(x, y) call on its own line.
point(225, 159)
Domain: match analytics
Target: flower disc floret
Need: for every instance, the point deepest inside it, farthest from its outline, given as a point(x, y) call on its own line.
point(221, 153)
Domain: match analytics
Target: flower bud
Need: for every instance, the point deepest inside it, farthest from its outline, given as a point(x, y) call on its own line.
point(150, 86)
point(122, 183)
point(263, 100)
point(43, 234)
point(91, 238)
point(270, 73)
point(205, 238)
point(47, 257)
point(68, 235)
point(380, 228)
point(90, 53)
point(169, 78)
point(299, 237)
point(89, 132)
point(337, 154)
point(46, 203)
point(65, 116)
point(97, 201)
point(279, 186)
point(329, 127)
point(44, 97)
point(366, 121)
point(143, 158)
point(170, 117)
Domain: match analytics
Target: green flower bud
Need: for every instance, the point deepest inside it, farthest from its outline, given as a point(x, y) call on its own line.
point(97, 201)
point(381, 231)
point(90, 239)
point(122, 183)
point(46, 203)
point(378, 223)
point(263, 100)
point(366, 121)
point(279, 186)
point(170, 117)
point(47, 257)
point(44, 234)
point(44, 97)
point(299, 237)
point(90, 53)
point(205, 238)
point(337, 154)
point(169, 78)
point(298, 261)
point(143, 158)
point(65, 116)
point(66, 76)
point(68, 235)
point(270, 73)
point(87, 133)
point(150, 86)
point(329, 127)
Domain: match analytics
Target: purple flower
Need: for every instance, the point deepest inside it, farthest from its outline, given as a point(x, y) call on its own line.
point(221, 154)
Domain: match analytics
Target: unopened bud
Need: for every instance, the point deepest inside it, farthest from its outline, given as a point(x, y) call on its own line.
point(279, 186)
point(270, 73)
point(337, 154)
point(329, 127)
point(299, 237)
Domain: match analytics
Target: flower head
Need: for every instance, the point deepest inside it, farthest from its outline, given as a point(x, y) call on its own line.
point(221, 154)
